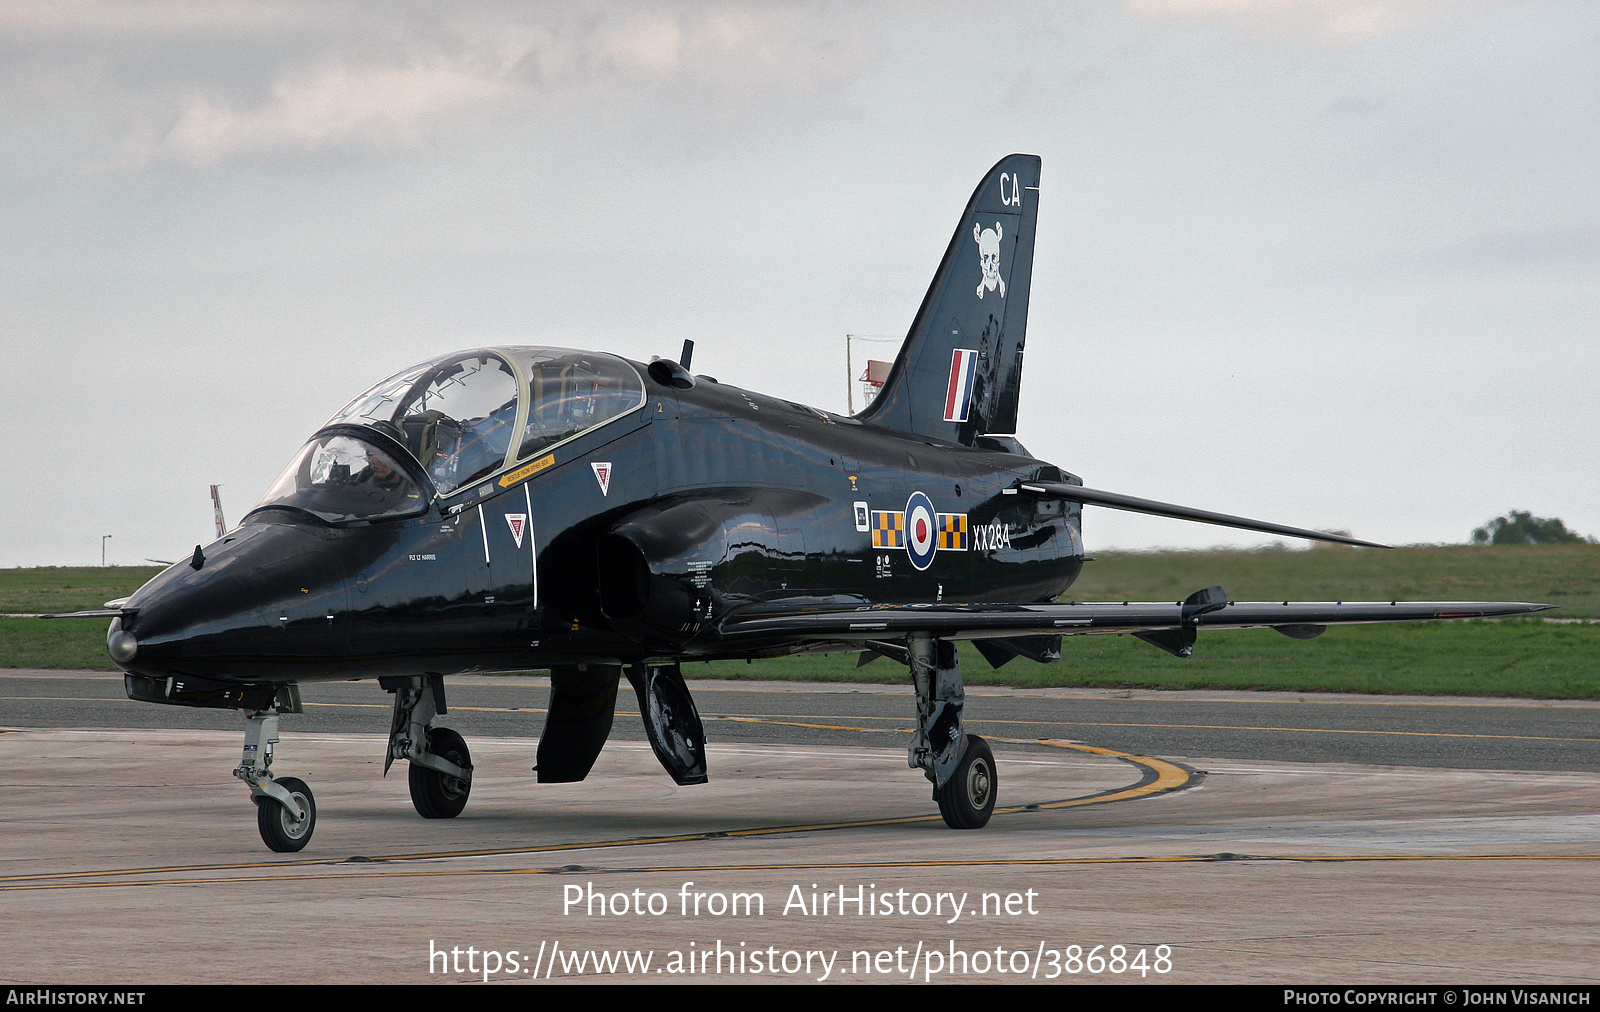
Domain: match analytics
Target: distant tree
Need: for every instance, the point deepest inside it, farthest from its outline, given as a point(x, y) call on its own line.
point(1519, 527)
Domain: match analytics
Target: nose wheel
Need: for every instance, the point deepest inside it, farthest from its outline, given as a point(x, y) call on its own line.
point(281, 829)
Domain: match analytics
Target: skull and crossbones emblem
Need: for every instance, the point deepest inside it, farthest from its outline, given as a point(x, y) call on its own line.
point(989, 258)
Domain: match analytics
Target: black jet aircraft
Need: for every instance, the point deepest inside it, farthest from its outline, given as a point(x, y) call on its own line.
point(518, 508)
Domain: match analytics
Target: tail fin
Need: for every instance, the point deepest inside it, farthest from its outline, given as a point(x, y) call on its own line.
point(959, 371)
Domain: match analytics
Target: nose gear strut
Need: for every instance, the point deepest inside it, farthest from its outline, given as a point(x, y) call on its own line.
point(286, 811)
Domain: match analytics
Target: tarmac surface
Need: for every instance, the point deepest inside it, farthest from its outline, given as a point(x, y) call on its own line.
point(1216, 837)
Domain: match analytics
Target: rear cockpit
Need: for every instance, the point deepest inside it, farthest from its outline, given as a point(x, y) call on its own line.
point(459, 418)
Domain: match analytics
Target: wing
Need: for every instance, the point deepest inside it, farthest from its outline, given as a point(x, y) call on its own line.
point(1170, 626)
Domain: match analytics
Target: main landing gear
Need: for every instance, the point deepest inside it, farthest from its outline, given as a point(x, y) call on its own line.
point(959, 765)
point(441, 767)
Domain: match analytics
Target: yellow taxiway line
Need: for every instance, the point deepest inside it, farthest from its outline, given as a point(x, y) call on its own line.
point(1157, 777)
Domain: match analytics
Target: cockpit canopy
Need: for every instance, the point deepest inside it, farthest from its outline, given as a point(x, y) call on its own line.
point(463, 417)
point(455, 416)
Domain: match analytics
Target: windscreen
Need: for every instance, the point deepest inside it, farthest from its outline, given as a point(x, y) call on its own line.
point(339, 478)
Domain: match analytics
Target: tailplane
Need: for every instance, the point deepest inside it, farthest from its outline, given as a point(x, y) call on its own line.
point(960, 369)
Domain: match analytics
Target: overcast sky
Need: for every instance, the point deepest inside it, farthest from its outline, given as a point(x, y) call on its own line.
point(1331, 263)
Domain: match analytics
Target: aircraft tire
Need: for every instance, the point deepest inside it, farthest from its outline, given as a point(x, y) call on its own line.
point(967, 799)
point(434, 795)
point(280, 831)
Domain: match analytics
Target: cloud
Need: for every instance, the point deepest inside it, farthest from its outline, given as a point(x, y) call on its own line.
point(203, 84)
point(1335, 21)
point(61, 18)
point(336, 106)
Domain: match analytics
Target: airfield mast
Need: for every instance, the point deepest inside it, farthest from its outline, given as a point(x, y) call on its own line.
point(872, 378)
point(216, 506)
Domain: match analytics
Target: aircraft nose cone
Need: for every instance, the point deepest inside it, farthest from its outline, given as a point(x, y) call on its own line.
point(266, 598)
point(120, 643)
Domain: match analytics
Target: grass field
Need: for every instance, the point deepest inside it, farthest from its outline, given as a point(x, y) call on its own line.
point(69, 588)
point(1512, 657)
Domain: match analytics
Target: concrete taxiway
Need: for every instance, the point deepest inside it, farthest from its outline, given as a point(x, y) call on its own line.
point(1420, 853)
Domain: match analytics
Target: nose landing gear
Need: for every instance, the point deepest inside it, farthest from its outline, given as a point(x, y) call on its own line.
point(286, 811)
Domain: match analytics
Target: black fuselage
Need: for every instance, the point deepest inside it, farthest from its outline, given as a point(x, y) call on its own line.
point(639, 535)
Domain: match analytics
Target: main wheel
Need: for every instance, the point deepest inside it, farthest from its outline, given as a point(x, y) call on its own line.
point(435, 795)
point(281, 831)
point(967, 799)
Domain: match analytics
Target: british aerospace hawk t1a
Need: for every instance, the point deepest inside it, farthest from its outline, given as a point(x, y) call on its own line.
point(532, 507)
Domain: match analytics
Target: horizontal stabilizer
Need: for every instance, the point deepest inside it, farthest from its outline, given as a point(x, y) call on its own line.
point(1133, 504)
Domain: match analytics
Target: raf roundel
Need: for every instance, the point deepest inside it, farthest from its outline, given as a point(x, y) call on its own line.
point(922, 530)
